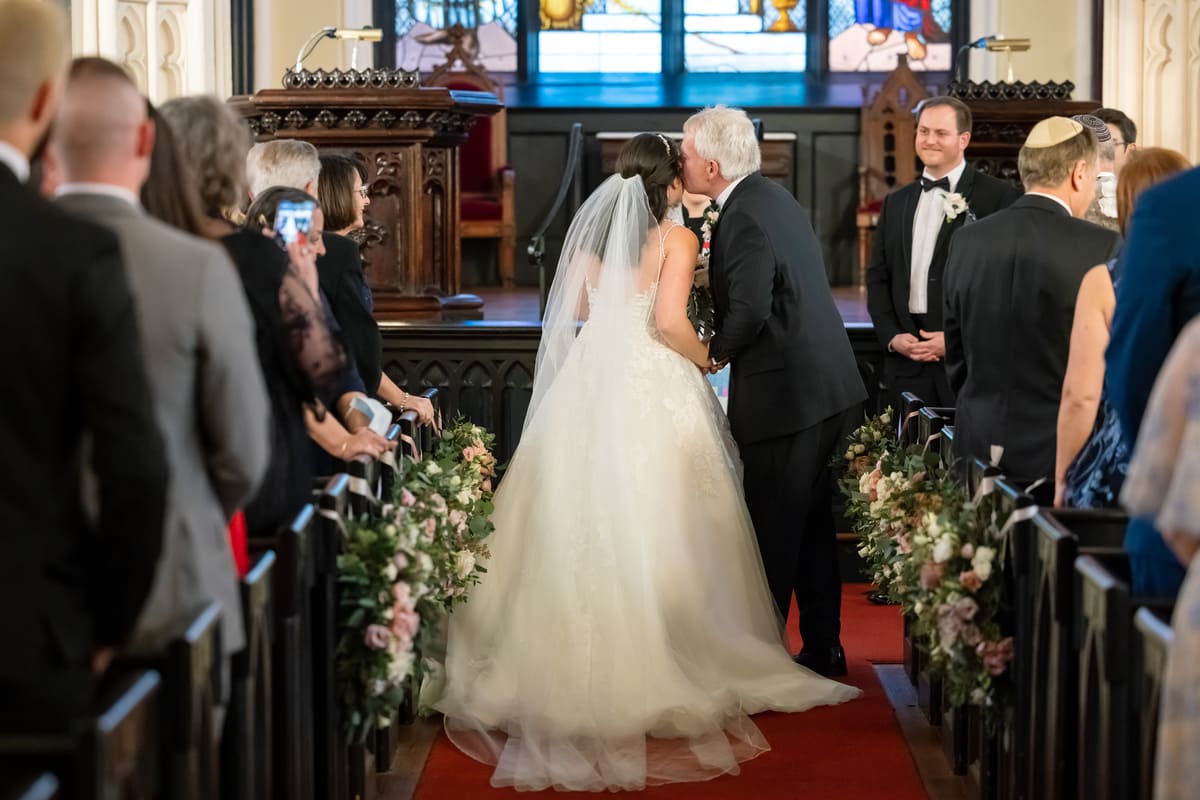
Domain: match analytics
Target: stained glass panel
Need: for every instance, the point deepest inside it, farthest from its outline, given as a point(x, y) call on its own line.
point(744, 35)
point(866, 35)
point(419, 24)
point(600, 36)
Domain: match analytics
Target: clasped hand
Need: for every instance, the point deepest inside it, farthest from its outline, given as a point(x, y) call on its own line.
point(930, 347)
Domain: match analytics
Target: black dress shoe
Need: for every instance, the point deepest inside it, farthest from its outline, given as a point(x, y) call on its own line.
point(880, 599)
point(830, 662)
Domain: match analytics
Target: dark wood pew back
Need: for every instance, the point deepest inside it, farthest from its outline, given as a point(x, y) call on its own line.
point(247, 747)
point(328, 754)
point(192, 682)
point(30, 787)
point(1153, 643)
point(906, 417)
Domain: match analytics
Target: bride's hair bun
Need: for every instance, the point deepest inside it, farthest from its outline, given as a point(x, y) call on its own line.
point(655, 158)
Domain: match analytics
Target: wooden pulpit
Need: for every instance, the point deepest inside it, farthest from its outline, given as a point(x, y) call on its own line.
point(408, 136)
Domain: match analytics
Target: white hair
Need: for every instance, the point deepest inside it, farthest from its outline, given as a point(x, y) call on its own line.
point(282, 162)
point(726, 135)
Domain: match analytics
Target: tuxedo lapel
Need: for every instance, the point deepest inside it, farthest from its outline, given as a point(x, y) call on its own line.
point(911, 194)
point(965, 184)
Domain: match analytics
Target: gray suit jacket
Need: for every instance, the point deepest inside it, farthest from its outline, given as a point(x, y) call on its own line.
point(211, 403)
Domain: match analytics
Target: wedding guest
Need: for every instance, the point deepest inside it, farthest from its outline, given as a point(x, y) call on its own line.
point(303, 371)
point(297, 165)
point(1124, 134)
point(904, 278)
point(169, 192)
point(1164, 487)
point(693, 209)
point(1011, 282)
point(343, 195)
point(70, 591)
point(197, 332)
point(1091, 457)
point(1103, 210)
point(1158, 294)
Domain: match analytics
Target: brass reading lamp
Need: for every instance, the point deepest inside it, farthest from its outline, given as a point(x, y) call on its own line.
point(364, 34)
point(997, 43)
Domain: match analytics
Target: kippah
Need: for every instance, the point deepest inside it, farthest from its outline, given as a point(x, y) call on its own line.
point(1052, 131)
point(1096, 124)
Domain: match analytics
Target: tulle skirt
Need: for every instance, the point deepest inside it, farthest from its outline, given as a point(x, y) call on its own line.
point(624, 631)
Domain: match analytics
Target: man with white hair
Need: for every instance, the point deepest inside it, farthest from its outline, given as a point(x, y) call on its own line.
point(794, 386)
point(297, 164)
point(70, 346)
point(198, 345)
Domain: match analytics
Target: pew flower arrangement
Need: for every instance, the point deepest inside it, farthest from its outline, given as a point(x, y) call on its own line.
point(379, 588)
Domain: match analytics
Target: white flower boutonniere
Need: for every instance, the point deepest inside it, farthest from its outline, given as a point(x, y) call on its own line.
point(954, 204)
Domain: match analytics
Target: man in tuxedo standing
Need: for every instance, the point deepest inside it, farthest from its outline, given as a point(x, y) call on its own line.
point(70, 348)
point(198, 345)
point(904, 278)
point(795, 389)
point(1011, 284)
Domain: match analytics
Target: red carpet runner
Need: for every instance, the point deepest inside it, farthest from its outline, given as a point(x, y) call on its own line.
point(849, 752)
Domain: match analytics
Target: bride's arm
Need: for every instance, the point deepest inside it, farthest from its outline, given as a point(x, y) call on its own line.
point(674, 286)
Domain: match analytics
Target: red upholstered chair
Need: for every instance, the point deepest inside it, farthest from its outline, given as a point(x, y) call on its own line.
point(889, 158)
point(486, 181)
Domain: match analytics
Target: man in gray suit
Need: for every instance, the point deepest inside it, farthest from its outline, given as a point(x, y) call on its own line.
point(198, 344)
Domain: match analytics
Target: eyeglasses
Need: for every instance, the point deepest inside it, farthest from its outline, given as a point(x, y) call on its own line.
point(1121, 144)
point(364, 192)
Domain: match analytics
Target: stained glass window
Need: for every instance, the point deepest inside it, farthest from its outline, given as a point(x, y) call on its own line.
point(744, 36)
point(866, 35)
point(600, 36)
point(419, 37)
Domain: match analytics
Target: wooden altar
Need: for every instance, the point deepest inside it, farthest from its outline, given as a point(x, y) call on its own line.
point(408, 136)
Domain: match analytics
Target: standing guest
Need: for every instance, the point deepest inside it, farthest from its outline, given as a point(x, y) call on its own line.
point(214, 141)
point(1103, 210)
point(1011, 283)
point(1158, 295)
point(1164, 488)
point(70, 344)
point(197, 333)
point(1092, 458)
point(904, 278)
point(1123, 131)
point(169, 193)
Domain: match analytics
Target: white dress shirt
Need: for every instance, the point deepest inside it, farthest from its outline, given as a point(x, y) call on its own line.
point(118, 192)
point(927, 223)
point(15, 160)
point(1106, 194)
point(724, 196)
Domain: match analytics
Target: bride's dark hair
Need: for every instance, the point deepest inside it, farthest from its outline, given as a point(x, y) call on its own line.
point(655, 158)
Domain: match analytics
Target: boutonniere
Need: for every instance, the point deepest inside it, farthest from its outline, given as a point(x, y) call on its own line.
point(954, 204)
point(710, 217)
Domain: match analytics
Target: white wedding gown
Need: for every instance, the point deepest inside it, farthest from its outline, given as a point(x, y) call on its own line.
point(623, 632)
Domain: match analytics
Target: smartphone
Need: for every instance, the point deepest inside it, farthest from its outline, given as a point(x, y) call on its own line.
point(291, 220)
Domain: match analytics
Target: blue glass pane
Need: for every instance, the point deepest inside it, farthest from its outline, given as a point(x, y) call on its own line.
point(601, 36)
point(744, 36)
point(867, 35)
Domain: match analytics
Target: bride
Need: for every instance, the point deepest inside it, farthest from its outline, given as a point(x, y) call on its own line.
point(624, 631)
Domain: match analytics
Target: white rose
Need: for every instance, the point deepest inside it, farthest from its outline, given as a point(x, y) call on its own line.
point(400, 666)
point(455, 481)
point(943, 549)
point(918, 607)
point(984, 554)
point(886, 419)
point(850, 454)
point(433, 468)
point(464, 497)
point(860, 449)
point(390, 530)
point(464, 563)
point(419, 590)
point(424, 563)
point(391, 572)
point(983, 569)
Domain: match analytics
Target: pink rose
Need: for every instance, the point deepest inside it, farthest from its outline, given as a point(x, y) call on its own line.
point(402, 595)
point(873, 482)
point(487, 485)
point(966, 608)
point(968, 551)
point(932, 575)
point(970, 581)
point(400, 560)
point(376, 637)
point(431, 526)
point(407, 498)
point(916, 479)
point(457, 518)
point(905, 544)
point(970, 635)
point(996, 655)
point(405, 623)
point(437, 502)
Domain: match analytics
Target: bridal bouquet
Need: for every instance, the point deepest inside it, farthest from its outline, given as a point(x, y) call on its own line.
point(701, 311)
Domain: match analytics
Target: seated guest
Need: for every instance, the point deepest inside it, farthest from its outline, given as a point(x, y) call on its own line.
point(70, 346)
point(1158, 295)
point(214, 142)
point(1010, 286)
point(197, 343)
point(1164, 487)
point(343, 195)
point(1091, 459)
point(295, 164)
point(1124, 134)
point(1103, 210)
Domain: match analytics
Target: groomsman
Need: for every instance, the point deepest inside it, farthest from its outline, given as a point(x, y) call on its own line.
point(904, 278)
point(1011, 283)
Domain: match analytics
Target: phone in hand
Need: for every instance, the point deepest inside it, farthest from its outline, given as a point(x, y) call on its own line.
point(293, 220)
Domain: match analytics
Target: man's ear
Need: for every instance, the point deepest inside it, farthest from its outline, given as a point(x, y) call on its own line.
point(145, 139)
point(311, 188)
point(44, 101)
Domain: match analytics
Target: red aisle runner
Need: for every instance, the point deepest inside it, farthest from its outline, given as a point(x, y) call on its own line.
point(854, 751)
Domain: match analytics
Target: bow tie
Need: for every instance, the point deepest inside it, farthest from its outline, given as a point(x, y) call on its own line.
point(929, 183)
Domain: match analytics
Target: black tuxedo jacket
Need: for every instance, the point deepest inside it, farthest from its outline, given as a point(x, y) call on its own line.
point(70, 348)
point(790, 359)
point(340, 273)
point(888, 274)
point(1011, 283)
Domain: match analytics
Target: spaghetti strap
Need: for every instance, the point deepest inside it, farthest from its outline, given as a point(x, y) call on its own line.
point(662, 250)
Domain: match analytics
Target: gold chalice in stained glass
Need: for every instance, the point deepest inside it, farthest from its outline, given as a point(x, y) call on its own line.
point(784, 24)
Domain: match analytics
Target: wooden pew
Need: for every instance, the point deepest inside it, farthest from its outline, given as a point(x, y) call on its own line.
point(1062, 534)
point(30, 787)
point(191, 694)
point(930, 422)
point(1108, 744)
point(1153, 643)
point(247, 746)
point(116, 754)
point(906, 418)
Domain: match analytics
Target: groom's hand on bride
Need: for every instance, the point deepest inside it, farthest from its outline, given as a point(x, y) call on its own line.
point(713, 366)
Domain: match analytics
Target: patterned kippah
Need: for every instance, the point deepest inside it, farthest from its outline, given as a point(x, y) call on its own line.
point(1052, 131)
point(1096, 124)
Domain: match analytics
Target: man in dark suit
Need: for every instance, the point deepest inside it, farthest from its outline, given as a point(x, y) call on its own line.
point(1157, 296)
point(795, 389)
point(70, 346)
point(904, 278)
point(1011, 282)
